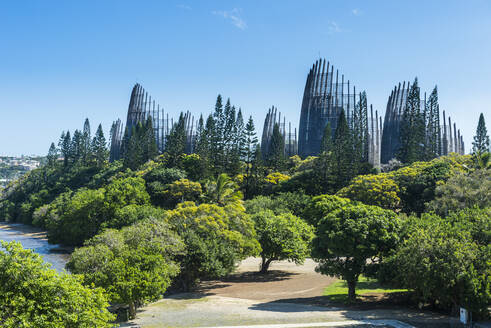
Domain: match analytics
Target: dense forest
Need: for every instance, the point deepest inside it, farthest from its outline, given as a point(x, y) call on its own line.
point(153, 223)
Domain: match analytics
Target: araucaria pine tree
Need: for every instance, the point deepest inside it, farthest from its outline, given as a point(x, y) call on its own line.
point(99, 149)
point(65, 144)
point(360, 129)
point(412, 135)
point(176, 141)
point(481, 139)
point(76, 147)
point(342, 153)
point(276, 156)
point(52, 155)
point(433, 137)
point(250, 145)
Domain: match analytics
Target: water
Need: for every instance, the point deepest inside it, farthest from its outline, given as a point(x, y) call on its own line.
point(36, 240)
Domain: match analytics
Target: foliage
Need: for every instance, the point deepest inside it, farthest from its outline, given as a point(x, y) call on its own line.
point(412, 136)
point(276, 154)
point(417, 183)
point(462, 191)
point(276, 178)
point(130, 214)
point(286, 202)
point(215, 237)
point(139, 145)
point(348, 237)
point(33, 295)
point(222, 191)
point(180, 191)
point(322, 205)
point(481, 139)
point(133, 265)
point(376, 190)
point(445, 261)
point(282, 237)
point(79, 216)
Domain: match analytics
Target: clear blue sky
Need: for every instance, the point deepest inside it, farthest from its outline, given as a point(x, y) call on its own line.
point(63, 61)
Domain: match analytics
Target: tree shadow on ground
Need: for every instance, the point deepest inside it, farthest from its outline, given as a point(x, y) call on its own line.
point(363, 302)
point(273, 275)
point(366, 307)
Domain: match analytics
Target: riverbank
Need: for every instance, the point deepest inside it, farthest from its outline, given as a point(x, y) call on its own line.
point(26, 230)
point(36, 239)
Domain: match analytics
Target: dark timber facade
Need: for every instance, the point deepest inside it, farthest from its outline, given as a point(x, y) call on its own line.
point(449, 141)
point(326, 94)
point(140, 108)
point(290, 136)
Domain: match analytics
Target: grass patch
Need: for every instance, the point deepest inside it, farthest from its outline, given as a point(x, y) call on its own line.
point(338, 291)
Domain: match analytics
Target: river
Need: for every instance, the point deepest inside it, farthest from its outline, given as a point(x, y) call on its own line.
point(36, 240)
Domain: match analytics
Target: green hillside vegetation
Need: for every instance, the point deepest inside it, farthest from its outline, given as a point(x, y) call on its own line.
point(164, 222)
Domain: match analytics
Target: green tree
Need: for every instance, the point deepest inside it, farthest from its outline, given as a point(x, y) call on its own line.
point(216, 238)
point(99, 148)
point(180, 191)
point(52, 155)
point(443, 265)
point(223, 191)
point(373, 189)
point(150, 150)
point(35, 296)
point(433, 135)
point(133, 265)
point(412, 135)
point(481, 139)
point(80, 216)
point(77, 146)
point(462, 191)
point(86, 143)
point(249, 150)
point(282, 237)
point(348, 237)
point(326, 142)
point(65, 144)
point(276, 156)
point(342, 153)
point(175, 145)
point(321, 206)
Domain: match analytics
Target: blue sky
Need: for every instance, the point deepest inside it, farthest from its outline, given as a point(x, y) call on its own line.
point(63, 61)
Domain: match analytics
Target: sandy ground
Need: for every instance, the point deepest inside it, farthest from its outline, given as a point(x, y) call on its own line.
point(25, 230)
point(290, 294)
point(284, 280)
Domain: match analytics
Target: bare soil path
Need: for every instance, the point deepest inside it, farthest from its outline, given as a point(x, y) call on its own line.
point(284, 280)
point(290, 294)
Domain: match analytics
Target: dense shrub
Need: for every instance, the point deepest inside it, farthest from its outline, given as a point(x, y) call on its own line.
point(133, 265)
point(35, 296)
point(446, 261)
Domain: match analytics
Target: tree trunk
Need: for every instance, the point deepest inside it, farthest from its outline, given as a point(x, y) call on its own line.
point(132, 310)
point(351, 290)
point(265, 265)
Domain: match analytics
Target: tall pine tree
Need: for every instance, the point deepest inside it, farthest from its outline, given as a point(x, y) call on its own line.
point(176, 142)
point(342, 154)
point(52, 156)
point(250, 146)
point(412, 129)
point(85, 150)
point(481, 139)
point(99, 147)
point(65, 147)
point(276, 156)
